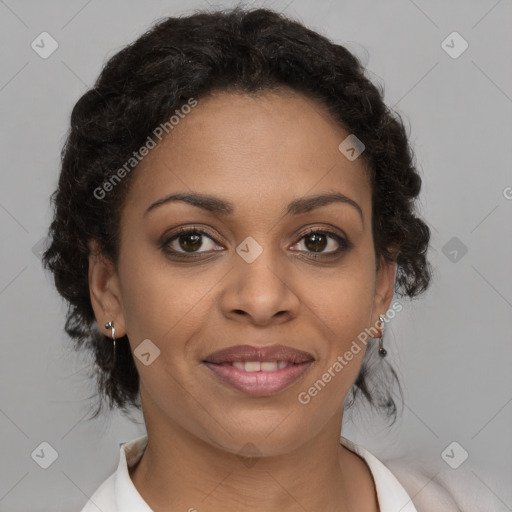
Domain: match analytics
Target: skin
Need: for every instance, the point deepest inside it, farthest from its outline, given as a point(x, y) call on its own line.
point(259, 152)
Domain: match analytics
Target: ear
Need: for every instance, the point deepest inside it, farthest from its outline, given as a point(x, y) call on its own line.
point(104, 291)
point(384, 288)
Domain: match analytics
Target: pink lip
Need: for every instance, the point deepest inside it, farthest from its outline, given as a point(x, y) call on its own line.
point(259, 382)
point(250, 353)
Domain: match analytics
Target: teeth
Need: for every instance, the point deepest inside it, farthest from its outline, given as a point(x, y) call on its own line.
point(256, 366)
point(252, 366)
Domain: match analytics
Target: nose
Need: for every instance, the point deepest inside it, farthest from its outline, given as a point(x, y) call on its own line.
point(261, 292)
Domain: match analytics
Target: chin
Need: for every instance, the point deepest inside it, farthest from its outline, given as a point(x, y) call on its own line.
point(260, 440)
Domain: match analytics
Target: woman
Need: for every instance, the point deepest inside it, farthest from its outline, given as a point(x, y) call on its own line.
point(235, 212)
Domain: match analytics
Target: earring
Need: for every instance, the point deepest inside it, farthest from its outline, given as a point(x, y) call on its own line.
point(110, 325)
point(382, 350)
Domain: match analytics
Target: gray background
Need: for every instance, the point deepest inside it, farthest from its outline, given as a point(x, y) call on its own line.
point(452, 346)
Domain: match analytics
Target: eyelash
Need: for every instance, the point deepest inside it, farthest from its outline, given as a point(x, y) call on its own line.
point(344, 244)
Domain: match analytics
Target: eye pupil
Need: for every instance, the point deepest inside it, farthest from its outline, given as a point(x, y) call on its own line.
point(318, 242)
point(196, 244)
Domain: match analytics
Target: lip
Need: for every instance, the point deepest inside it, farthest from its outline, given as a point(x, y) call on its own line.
point(251, 353)
point(259, 383)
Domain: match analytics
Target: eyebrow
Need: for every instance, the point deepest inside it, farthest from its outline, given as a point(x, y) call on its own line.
point(220, 206)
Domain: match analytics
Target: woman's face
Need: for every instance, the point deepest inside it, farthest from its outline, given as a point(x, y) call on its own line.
point(256, 277)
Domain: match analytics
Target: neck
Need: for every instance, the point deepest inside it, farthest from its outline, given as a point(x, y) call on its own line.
point(180, 471)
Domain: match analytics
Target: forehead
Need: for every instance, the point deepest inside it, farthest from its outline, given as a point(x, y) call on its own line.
point(252, 149)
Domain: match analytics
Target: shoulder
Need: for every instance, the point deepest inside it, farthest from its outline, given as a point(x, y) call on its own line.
point(423, 486)
point(432, 487)
point(103, 498)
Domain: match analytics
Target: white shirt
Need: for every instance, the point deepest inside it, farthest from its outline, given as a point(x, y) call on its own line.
point(118, 494)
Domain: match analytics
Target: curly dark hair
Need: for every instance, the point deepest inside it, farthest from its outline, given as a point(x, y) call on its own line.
point(246, 50)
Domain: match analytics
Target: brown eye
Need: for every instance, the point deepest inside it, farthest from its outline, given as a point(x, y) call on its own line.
point(323, 242)
point(316, 242)
point(189, 241)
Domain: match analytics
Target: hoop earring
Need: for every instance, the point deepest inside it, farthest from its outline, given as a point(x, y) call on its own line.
point(110, 325)
point(382, 351)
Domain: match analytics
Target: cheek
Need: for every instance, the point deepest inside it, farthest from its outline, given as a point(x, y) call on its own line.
point(344, 317)
point(345, 298)
point(157, 303)
point(343, 307)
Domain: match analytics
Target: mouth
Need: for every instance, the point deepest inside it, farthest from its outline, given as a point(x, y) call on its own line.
point(259, 371)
